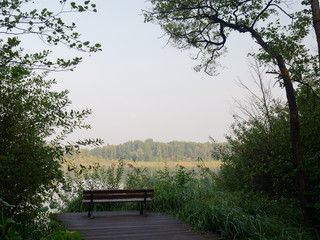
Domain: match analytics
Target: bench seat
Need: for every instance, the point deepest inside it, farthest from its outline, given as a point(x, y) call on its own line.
point(117, 200)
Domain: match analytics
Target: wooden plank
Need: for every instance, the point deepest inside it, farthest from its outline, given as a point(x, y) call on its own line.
point(118, 200)
point(130, 225)
point(108, 191)
point(117, 196)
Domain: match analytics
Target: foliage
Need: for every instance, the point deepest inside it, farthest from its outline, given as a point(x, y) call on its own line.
point(92, 177)
point(62, 234)
point(137, 177)
point(308, 100)
point(206, 206)
point(194, 196)
point(7, 225)
point(150, 150)
point(259, 158)
point(206, 25)
point(12, 230)
point(30, 163)
point(48, 25)
point(34, 119)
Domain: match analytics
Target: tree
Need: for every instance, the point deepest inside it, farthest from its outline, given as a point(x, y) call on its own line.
point(206, 24)
point(30, 165)
point(34, 119)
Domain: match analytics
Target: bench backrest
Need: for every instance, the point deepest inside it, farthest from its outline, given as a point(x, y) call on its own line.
point(118, 194)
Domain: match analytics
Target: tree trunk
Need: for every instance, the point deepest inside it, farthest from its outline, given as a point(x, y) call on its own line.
point(307, 211)
point(316, 22)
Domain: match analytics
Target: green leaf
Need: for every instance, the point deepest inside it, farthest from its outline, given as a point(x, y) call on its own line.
point(70, 168)
point(33, 12)
point(44, 209)
point(53, 206)
point(5, 203)
point(9, 221)
point(80, 8)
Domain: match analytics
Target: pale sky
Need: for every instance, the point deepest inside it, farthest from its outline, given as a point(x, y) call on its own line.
point(139, 88)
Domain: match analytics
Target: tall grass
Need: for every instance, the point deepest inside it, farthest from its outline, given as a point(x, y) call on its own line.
point(193, 195)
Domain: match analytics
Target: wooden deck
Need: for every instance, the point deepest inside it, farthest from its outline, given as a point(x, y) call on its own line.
point(131, 225)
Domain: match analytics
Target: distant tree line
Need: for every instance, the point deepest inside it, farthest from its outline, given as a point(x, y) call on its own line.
point(150, 150)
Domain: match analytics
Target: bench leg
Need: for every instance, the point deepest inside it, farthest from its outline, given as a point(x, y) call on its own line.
point(90, 210)
point(141, 209)
point(91, 205)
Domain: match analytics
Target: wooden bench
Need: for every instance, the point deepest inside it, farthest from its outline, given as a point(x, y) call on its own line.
point(117, 196)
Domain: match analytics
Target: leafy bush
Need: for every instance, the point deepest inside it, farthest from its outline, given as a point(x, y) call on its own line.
point(63, 234)
point(205, 205)
point(308, 100)
point(35, 119)
point(259, 157)
point(8, 227)
point(30, 164)
point(12, 230)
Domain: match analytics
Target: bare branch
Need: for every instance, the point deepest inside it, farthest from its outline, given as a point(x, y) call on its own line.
point(259, 15)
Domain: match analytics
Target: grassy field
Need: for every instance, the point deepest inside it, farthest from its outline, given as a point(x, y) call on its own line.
point(153, 167)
